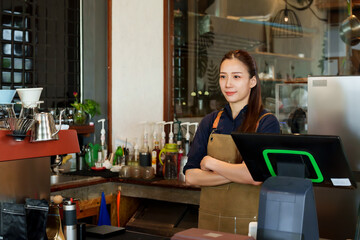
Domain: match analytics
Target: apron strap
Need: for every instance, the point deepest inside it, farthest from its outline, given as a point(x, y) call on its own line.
point(217, 119)
point(257, 123)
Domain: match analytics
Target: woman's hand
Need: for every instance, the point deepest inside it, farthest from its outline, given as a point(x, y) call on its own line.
point(207, 162)
point(233, 172)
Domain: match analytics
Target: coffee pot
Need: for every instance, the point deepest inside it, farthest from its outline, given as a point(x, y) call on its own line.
point(44, 128)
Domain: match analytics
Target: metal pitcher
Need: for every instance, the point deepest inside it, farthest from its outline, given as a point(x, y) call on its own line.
point(44, 128)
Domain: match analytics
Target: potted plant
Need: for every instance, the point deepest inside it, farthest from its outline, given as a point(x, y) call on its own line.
point(89, 107)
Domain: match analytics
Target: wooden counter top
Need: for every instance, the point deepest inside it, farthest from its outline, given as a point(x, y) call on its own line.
point(157, 189)
point(87, 181)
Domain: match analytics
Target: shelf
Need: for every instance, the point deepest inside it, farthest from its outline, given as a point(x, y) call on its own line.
point(296, 80)
point(335, 4)
point(83, 129)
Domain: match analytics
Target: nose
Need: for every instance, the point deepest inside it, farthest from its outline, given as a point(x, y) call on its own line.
point(228, 82)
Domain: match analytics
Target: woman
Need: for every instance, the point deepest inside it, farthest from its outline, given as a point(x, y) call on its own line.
point(229, 196)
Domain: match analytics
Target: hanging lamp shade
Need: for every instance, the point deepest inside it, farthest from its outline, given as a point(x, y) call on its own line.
point(286, 24)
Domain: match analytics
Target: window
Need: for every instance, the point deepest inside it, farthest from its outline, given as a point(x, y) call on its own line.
point(40, 42)
point(203, 31)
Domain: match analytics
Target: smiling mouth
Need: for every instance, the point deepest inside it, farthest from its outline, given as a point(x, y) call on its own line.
point(230, 93)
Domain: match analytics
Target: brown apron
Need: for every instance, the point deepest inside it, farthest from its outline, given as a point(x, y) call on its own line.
point(229, 207)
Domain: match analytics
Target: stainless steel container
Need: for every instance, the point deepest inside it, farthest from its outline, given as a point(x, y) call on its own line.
point(70, 223)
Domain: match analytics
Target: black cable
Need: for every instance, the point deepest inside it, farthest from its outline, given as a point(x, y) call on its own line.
point(300, 8)
point(321, 19)
point(305, 7)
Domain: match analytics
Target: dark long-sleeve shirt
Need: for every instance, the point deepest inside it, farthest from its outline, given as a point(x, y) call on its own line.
point(198, 149)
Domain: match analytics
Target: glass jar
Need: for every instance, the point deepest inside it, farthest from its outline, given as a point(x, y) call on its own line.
point(80, 117)
point(52, 111)
point(63, 117)
point(170, 160)
point(70, 116)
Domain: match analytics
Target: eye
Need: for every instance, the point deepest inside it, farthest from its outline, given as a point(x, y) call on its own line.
point(237, 76)
point(222, 76)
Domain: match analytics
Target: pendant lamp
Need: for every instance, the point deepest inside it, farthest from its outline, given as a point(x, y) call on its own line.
point(286, 24)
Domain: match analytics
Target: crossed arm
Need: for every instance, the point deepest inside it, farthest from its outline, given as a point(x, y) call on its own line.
point(214, 172)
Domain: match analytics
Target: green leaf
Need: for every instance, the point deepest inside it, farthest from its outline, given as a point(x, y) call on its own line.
point(91, 107)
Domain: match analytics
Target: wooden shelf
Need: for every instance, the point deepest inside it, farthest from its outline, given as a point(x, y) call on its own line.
point(335, 4)
point(83, 129)
point(296, 80)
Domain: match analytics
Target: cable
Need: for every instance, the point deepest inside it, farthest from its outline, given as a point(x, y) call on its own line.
point(305, 7)
point(300, 8)
point(321, 19)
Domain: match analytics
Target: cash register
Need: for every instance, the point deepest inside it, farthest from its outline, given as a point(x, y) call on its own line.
point(289, 166)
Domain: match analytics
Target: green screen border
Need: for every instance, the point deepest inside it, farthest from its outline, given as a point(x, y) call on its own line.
point(319, 178)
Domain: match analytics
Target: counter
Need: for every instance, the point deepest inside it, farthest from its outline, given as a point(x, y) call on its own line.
point(157, 189)
point(135, 193)
point(336, 208)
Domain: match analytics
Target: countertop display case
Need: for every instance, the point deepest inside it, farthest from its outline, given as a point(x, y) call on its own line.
point(291, 107)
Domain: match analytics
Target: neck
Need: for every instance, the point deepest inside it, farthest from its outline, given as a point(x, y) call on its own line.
point(236, 108)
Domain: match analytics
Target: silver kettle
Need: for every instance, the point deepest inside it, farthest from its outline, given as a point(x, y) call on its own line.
point(44, 128)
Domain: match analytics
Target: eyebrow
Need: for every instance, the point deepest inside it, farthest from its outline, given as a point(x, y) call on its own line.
point(232, 73)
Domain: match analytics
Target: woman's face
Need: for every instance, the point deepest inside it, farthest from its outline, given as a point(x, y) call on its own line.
point(235, 82)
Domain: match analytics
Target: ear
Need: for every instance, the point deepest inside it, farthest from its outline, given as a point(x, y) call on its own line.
point(253, 82)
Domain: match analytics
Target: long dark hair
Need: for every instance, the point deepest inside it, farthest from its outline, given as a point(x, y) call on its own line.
point(255, 106)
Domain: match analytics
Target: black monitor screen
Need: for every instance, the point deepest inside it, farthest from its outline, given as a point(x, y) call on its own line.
point(319, 158)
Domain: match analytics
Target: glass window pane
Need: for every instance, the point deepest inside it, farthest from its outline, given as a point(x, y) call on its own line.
point(18, 35)
point(28, 77)
point(18, 9)
point(6, 20)
point(27, 36)
point(17, 77)
point(6, 77)
point(28, 50)
point(28, 9)
point(6, 5)
point(18, 63)
point(6, 62)
point(18, 22)
point(7, 48)
point(27, 23)
point(28, 64)
point(18, 50)
point(6, 34)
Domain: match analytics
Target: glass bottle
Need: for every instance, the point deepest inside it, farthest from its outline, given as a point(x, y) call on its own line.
point(155, 163)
